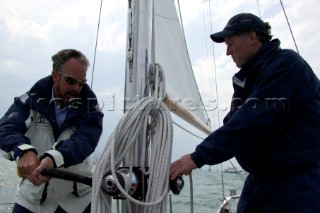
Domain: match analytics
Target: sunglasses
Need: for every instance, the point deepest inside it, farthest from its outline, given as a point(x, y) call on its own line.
point(72, 81)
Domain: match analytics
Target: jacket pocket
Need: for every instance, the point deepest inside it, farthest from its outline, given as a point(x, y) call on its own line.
point(32, 193)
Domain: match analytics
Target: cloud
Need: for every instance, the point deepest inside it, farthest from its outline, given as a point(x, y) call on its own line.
point(31, 31)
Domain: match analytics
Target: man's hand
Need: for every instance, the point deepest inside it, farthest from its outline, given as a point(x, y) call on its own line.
point(36, 178)
point(30, 167)
point(184, 165)
point(27, 163)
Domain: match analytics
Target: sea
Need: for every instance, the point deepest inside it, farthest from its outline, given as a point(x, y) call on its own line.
point(206, 186)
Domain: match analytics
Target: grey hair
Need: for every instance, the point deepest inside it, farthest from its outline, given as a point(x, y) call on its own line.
point(266, 36)
point(64, 55)
point(262, 36)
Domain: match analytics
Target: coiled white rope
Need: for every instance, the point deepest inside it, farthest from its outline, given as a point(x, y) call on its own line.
point(156, 142)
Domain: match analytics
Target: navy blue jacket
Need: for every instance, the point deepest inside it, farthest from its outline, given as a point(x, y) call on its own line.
point(273, 126)
point(84, 114)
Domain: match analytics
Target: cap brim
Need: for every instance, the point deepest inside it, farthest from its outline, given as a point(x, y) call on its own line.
point(219, 36)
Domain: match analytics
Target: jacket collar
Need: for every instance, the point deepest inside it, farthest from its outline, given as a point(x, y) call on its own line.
point(267, 49)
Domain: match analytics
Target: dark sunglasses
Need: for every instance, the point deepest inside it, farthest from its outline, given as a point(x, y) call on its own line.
point(72, 81)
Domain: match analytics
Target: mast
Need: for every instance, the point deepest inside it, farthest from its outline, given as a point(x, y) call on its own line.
point(138, 63)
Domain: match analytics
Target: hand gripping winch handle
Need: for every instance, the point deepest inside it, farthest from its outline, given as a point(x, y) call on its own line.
point(65, 175)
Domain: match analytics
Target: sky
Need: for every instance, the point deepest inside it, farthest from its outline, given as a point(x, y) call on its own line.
point(32, 31)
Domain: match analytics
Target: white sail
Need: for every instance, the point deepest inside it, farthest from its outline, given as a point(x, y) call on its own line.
point(172, 54)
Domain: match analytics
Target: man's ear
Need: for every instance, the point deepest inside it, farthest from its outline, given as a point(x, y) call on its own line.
point(55, 76)
point(253, 36)
point(254, 40)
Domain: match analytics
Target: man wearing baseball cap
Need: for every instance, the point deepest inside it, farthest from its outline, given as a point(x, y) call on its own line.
point(272, 128)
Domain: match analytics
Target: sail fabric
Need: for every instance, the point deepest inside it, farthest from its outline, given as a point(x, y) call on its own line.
point(172, 54)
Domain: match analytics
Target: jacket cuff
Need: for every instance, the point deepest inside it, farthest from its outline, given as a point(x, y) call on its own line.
point(21, 149)
point(197, 159)
point(55, 156)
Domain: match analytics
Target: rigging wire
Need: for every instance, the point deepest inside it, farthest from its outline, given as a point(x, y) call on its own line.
point(209, 68)
point(178, 2)
point(285, 14)
point(95, 49)
point(215, 67)
point(191, 133)
point(237, 171)
point(259, 8)
point(217, 92)
point(222, 181)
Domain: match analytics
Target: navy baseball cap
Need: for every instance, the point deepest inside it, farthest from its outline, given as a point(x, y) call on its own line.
point(242, 21)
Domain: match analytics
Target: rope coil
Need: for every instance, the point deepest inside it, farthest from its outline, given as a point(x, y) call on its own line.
point(134, 125)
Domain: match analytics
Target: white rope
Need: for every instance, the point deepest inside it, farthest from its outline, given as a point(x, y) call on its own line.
point(133, 125)
point(191, 193)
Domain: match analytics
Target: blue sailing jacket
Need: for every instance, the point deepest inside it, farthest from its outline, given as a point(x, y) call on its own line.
point(84, 116)
point(30, 124)
point(273, 127)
